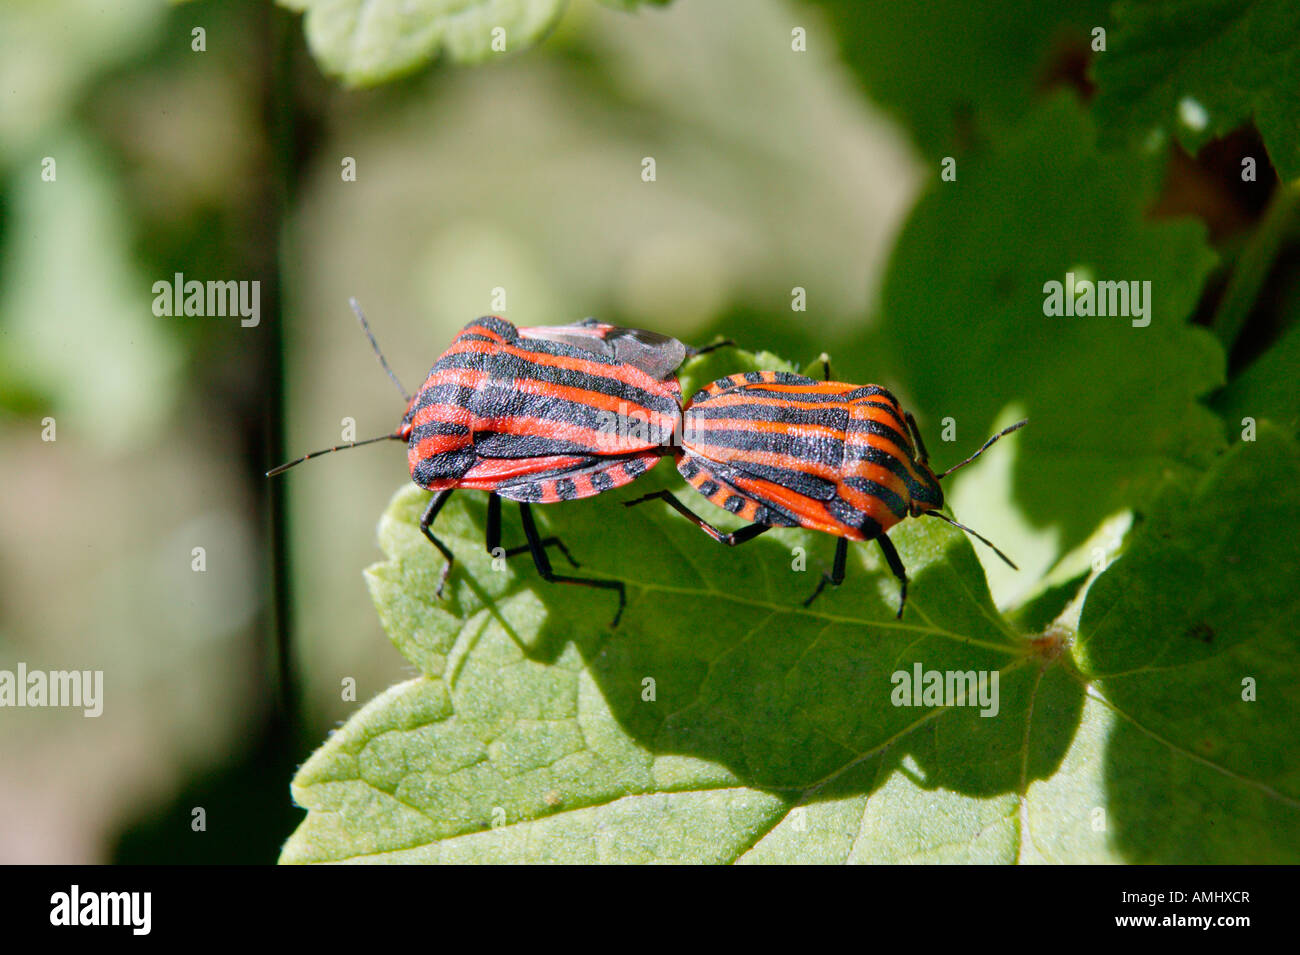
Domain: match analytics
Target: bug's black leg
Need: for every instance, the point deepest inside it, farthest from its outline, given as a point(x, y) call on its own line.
point(916, 436)
point(896, 565)
point(693, 352)
point(547, 542)
point(537, 547)
point(493, 537)
point(836, 576)
point(747, 533)
point(826, 367)
point(435, 505)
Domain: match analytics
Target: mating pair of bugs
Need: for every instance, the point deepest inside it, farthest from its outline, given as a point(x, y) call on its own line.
point(556, 413)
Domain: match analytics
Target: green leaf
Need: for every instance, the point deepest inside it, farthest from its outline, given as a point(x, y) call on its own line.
point(531, 713)
point(1204, 602)
point(1112, 407)
point(1267, 388)
point(529, 705)
point(366, 42)
point(769, 732)
point(931, 62)
point(1197, 69)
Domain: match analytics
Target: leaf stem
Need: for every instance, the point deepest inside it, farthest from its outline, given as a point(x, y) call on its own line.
point(1255, 263)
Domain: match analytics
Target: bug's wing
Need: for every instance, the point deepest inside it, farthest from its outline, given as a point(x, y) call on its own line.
point(656, 355)
point(583, 479)
point(588, 335)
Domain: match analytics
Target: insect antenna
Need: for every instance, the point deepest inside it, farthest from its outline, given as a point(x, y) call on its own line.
point(1001, 434)
point(338, 447)
point(365, 327)
point(395, 436)
point(979, 537)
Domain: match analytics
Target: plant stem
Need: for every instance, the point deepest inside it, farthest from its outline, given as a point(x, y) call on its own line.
point(1255, 263)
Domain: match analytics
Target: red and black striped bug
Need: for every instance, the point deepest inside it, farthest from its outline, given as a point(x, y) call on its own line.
point(537, 415)
point(782, 450)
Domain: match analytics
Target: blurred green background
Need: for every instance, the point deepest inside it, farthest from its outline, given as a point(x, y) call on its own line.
point(523, 174)
point(774, 170)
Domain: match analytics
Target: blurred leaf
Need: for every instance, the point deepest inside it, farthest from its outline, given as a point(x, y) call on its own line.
point(1204, 601)
point(1112, 407)
point(366, 42)
point(1267, 388)
point(954, 71)
point(1201, 68)
point(51, 52)
point(92, 345)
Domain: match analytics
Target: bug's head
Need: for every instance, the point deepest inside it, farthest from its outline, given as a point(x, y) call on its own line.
point(926, 494)
point(407, 424)
point(923, 490)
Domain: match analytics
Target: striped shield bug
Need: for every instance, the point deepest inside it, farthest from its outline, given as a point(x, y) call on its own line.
point(783, 450)
point(536, 415)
